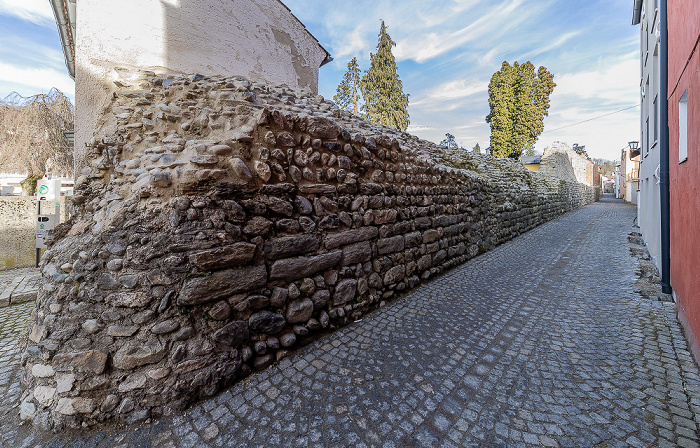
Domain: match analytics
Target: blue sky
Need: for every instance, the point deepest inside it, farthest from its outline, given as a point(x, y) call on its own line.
point(446, 53)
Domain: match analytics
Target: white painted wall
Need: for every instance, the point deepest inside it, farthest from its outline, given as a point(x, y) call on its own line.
point(649, 206)
point(258, 39)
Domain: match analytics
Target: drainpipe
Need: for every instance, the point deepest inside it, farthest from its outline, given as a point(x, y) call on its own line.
point(664, 156)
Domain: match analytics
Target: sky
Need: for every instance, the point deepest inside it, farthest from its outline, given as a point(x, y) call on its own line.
point(446, 51)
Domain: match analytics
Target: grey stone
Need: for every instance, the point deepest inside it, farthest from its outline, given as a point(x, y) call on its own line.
point(266, 322)
point(222, 284)
point(344, 291)
point(320, 299)
point(288, 246)
point(294, 268)
point(333, 240)
point(390, 245)
point(138, 353)
point(233, 333)
point(222, 257)
point(299, 310)
point(356, 253)
point(165, 327)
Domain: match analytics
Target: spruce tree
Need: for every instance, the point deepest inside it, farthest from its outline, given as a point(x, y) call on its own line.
point(385, 102)
point(348, 92)
point(519, 101)
point(449, 141)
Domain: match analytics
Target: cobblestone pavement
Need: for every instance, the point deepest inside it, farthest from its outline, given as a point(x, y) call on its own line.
point(540, 342)
point(19, 285)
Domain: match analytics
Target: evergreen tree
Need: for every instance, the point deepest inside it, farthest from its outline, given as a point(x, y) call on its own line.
point(580, 149)
point(476, 149)
point(449, 141)
point(348, 92)
point(385, 102)
point(519, 101)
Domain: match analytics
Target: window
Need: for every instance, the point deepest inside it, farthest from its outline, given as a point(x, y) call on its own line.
point(655, 111)
point(683, 128)
point(646, 139)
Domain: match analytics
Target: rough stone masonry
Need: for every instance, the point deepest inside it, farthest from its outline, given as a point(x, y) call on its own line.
point(221, 223)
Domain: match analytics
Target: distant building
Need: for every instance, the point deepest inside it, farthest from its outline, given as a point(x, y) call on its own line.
point(629, 174)
point(684, 162)
point(646, 15)
point(258, 39)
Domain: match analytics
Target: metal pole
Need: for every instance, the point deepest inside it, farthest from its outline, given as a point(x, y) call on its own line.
point(664, 156)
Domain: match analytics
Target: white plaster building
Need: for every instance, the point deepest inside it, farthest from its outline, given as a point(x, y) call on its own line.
point(646, 15)
point(258, 39)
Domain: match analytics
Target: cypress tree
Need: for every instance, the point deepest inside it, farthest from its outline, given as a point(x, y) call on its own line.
point(348, 92)
point(519, 101)
point(385, 102)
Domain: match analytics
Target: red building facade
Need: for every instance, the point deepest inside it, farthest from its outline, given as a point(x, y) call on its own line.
point(684, 162)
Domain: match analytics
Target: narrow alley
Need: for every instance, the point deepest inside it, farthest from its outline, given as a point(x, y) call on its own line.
point(542, 341)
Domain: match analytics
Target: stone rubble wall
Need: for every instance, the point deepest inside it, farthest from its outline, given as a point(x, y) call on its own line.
point(221, 224)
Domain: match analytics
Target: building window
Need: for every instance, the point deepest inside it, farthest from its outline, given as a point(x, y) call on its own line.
point(683, 128)
point(646, 139)
point(655, 111)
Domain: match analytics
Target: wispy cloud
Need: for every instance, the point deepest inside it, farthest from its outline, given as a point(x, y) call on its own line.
point(32, 80)
point(35, 11)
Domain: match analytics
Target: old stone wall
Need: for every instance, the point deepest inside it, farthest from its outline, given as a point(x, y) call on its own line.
point(222, 223)
point(18, 231)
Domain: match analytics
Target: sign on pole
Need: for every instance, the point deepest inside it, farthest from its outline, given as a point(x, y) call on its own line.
point(48, 210)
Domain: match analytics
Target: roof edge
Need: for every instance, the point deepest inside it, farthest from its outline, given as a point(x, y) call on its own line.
point(637, 12)
point(64, 13)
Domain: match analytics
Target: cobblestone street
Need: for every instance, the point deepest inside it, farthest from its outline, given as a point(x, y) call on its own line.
point(541, 342)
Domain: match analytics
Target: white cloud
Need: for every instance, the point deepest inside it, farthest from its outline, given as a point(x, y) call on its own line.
point(450, 91)
point(609, 81)
point(30, 81)
point(35, 11)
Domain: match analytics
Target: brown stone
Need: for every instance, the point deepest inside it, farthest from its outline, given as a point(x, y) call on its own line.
point(122, 331)
point(293, 268)
point(222, 284)
point(93, 361)
point(221, 257)
point(390, 245)
point(289, 246)
point(356, 253)
point(323, 128)
point(395, 274)
point(129, 299)
point(138, 353)
point(317, 189)
point(333, 240)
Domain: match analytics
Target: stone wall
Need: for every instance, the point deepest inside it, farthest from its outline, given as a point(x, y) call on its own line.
point(221, 224)
point(18, 231)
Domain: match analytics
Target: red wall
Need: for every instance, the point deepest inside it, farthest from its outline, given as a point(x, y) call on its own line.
point(684, 30)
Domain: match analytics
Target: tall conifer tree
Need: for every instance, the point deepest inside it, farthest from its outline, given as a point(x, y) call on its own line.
point(348, 92)
point(519, 101)
point(385, 102)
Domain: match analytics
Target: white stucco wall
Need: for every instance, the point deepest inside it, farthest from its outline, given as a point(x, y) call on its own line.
point(649, 205)
point(258, 39)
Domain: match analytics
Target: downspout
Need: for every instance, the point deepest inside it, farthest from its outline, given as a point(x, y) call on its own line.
point(664, 185)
